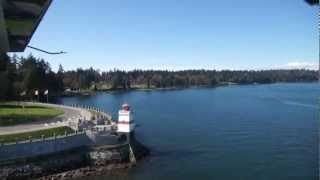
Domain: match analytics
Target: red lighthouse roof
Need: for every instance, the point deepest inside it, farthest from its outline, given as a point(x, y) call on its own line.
point(125, 107)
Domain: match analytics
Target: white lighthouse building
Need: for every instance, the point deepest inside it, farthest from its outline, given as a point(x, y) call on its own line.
point(125, 121)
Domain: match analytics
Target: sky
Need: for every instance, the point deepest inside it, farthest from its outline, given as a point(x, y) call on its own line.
point(179, 34)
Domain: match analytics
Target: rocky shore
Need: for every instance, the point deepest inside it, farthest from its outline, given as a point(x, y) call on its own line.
point(81, 162)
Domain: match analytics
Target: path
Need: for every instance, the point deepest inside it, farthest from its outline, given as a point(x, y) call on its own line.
point(69, 112)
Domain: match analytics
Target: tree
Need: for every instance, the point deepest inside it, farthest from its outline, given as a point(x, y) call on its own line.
point(312, 2)
point(7, 75)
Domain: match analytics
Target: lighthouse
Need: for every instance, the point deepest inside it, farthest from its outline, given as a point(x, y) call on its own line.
point(126, 129)
point(125, 121)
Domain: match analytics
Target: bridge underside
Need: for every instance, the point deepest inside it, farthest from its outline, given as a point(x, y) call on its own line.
point(19, 20)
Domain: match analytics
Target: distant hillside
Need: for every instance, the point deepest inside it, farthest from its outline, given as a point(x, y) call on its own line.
point(20, 77)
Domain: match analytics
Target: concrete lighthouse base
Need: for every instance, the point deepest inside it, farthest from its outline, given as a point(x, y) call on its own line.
point(138, 148)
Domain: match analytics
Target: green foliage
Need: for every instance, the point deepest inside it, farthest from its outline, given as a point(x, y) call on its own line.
point(187, 78)
point(27, 74)
point(35, 134)
point(13, 115)
point(80, 79)
point(7, 76)
point(35, 74)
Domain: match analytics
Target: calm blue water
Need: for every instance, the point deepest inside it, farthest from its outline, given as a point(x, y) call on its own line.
point(253, 132)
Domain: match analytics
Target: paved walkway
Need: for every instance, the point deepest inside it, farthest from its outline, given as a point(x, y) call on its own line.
point(62, 120)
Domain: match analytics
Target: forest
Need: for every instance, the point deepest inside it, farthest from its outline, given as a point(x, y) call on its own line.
point(20, 77)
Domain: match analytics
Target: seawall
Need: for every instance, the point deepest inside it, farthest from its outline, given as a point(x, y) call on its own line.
point(95, 148)
point(42, 146)
point(74, 163)
point(38, 147)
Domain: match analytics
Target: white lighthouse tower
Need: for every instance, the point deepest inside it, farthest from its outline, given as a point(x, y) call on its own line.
point(125, 121)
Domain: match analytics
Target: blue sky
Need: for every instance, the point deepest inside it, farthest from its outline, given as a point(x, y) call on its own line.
point(179, 34)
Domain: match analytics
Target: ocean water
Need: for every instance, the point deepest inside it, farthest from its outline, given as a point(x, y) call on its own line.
point(250, 132)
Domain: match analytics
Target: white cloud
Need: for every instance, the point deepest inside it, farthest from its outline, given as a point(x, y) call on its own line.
point(299, 65)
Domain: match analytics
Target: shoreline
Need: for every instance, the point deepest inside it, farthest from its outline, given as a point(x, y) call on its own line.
point(223, 84)
point(92, 92)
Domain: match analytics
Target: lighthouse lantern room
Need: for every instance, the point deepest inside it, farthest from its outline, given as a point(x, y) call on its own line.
point(125, 121)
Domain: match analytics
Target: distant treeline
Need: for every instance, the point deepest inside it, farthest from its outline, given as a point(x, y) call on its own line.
point(19, 75)
point(22, 76)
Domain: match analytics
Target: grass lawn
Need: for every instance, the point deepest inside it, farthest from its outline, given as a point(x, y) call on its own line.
point(35, 134)
point(13, 115)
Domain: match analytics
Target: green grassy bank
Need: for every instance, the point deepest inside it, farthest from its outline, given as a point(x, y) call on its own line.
point(35, 134)
point(13, 114)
